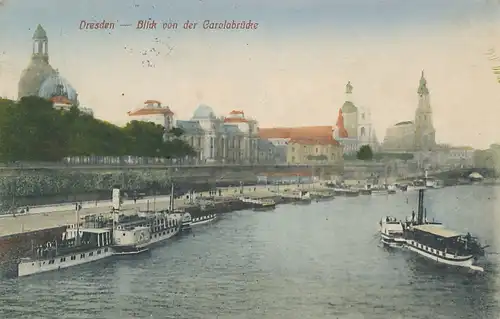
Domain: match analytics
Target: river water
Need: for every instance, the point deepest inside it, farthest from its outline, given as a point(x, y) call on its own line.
point(315, 261)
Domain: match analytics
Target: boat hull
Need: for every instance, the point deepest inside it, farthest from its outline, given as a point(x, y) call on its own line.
point(441, 257)
point(324, 199)
point(166, 234)
point(302, 202)
point(32, 267)
point(392, 242)
point(129, 250)
point(203, 219)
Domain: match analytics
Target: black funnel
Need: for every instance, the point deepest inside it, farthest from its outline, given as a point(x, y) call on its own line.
point(420, 212)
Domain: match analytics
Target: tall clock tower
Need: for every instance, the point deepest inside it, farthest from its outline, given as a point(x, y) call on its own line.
point(425, 134)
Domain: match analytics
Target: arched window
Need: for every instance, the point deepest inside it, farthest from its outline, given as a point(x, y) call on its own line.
point(362, 131)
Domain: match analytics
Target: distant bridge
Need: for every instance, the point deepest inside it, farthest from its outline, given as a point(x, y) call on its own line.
point(464, 173)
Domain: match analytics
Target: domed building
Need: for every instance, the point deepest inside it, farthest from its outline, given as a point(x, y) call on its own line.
point(56, 85)
point(231, 139)
point(39, 78)
point(203, 112)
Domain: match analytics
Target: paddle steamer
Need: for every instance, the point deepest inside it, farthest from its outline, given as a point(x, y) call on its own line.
point(433, 241)
point(136, 233)
point(80, 244)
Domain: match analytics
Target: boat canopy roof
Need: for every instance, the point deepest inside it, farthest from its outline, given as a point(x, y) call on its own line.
point(438, 230)
point(92, 230)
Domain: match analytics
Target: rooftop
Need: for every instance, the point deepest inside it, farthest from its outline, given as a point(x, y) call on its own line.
point(151, 107)
point(93, 230)
point(61, 100)
point(296, 132)
point(437, 230)
point(403, 123)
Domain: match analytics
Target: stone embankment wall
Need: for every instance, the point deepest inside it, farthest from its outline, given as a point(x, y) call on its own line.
point(55, 182)
point(53, 186)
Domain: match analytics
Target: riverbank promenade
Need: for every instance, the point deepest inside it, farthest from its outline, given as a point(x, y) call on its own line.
point(43, 217)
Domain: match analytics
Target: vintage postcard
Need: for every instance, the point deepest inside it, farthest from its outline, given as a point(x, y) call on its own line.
point(249, 159)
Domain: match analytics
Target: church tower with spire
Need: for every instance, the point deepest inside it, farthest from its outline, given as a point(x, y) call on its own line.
point(39, 68)
point(350, 112)
point(425, 134)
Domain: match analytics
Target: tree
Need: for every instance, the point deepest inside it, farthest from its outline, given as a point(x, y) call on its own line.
point(144, 138)
point(365, 153)
point(33, 130)
point(176, 132)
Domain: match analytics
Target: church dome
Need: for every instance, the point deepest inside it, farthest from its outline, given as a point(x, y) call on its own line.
point(204, 112)
point(55, 85)
point(349, 107)
point(33, 76)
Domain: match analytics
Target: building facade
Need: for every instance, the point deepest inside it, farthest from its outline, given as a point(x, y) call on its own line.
point(231, 139)
point(311, 151)
point(354, 127)
point(418, 135)
point(305, 145)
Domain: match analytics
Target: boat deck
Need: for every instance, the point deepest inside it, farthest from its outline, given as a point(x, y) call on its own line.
point(10, 225)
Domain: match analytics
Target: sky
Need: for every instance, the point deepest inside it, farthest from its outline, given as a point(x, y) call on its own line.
point(290, 71)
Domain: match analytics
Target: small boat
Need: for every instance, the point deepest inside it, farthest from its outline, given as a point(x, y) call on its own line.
point(391, 232)
point(323, 197)
point(434, 183)
point(202, 218)
point(476, 178)
point(367, 190)
point(264, 204)
point(302, 198)
point(348, 192)
point(391, 189)
point(416, 185)
point(379, 190)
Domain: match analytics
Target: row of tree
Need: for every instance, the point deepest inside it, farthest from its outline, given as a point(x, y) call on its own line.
point(33, 130)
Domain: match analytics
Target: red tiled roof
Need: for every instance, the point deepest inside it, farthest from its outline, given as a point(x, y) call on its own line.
point(151, 111)
point(235, 112)
point(61, 100)
point(341, 131)
point(296, 132)
point(235, 120)
point(152, 102)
